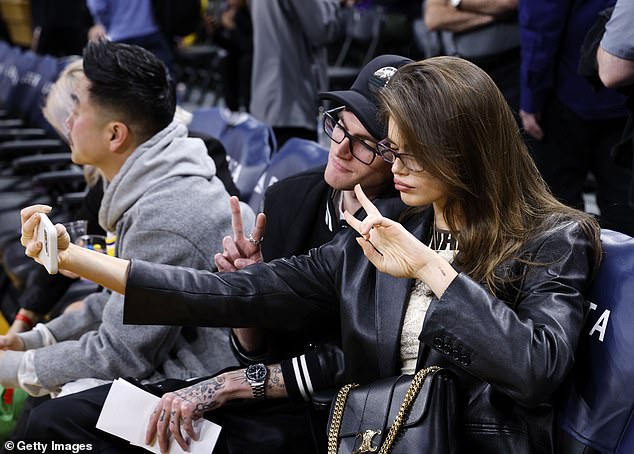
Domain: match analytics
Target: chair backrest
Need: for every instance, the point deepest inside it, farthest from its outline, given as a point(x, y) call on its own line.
point(295, 156)
point(597, 406)
point(9, 75)
point(4, 49)
point(249, 143)
point(37, 83)
point(25, 78)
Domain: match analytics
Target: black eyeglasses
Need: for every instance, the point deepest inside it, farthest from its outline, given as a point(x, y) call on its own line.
point(359, 148)
point(390, 154)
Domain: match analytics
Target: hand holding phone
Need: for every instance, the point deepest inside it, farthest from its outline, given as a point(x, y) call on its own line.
point(47, 235)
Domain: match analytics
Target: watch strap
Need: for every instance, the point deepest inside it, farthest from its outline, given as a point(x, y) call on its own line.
point(258, 390)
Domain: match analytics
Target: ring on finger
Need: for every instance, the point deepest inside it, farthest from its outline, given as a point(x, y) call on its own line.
point(253, 241)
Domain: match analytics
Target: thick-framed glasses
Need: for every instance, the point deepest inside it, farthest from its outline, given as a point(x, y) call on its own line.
point(389, 153)
point(359, 148)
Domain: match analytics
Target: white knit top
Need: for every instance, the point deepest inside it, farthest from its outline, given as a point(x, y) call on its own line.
point(418, 303)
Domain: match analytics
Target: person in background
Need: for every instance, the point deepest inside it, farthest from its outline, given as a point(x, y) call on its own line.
point(573, 126)
point(159, 180)
point(130, 22)
point(44, 292)
point(615, 59)
point(232, 30)
point(289, 62)
point(486, 256)
point(60, 28)
point(615, 56)
point(484, 32)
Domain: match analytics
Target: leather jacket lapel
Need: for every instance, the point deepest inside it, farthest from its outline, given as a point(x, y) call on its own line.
point(391, 299)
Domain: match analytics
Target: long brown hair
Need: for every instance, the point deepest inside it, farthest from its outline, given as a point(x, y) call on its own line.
point(453, 118)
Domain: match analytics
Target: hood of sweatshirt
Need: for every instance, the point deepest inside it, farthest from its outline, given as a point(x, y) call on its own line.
point(167, 154)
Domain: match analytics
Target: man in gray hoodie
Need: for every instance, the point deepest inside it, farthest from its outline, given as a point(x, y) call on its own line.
point(162, 203)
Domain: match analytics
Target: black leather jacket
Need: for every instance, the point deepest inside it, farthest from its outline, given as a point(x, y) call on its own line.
point(510, 351)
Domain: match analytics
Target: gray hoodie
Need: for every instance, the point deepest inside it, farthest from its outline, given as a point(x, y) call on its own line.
point(166, 206)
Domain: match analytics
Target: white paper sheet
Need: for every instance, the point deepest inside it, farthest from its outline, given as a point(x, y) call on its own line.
point(127, 410)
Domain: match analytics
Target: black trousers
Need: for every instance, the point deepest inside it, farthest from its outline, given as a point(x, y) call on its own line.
point(573, 147)
point(275, 426)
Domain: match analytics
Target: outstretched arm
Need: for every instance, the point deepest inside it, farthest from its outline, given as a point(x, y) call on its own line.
point(110, 272)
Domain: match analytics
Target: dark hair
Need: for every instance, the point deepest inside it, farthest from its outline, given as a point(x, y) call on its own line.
point(453, 118)
point(132, 83)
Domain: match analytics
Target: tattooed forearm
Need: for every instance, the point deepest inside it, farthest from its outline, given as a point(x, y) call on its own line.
point(276, 379)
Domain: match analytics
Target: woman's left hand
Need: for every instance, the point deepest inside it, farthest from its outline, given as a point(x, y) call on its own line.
point(386, 243)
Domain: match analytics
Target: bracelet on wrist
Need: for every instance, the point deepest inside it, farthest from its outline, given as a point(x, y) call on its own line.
point(23, 318)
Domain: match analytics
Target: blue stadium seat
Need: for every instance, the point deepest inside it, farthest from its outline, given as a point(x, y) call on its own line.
point(25, 78)
point(295, 156)
point(598, 402)
point(249, 143)
point(9, 77)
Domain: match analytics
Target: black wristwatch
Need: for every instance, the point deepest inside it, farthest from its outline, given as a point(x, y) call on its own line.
point(256, 376)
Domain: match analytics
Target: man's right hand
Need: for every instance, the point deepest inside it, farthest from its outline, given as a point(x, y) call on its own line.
point(241, 251)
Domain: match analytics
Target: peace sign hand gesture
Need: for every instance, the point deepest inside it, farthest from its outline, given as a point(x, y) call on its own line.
point(395, 251)
point(241, 251)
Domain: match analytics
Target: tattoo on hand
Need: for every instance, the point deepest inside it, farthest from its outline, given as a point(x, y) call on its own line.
point(203, 394)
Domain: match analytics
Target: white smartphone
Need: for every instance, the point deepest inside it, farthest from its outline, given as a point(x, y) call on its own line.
point(47, 235)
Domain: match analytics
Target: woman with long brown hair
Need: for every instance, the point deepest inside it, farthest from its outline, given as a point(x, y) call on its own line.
point(484, 274)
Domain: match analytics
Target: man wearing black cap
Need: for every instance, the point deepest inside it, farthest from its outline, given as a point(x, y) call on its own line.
point(303, 212)
point(320, 197)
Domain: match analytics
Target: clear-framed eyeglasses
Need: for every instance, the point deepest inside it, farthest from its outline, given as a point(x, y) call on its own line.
point(390, 153)
point(360, 149)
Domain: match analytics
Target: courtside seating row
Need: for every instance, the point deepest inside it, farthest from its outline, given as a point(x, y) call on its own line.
point(24, 78)
point(35, 165)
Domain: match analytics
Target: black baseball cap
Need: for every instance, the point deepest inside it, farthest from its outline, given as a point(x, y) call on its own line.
point(362, 98)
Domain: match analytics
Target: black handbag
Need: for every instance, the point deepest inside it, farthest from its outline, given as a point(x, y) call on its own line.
point(411, 413)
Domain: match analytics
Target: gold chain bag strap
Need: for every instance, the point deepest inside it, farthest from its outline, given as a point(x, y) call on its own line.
point(368, 413)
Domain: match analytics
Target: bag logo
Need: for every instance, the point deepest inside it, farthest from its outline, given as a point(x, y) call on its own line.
point(366, 441)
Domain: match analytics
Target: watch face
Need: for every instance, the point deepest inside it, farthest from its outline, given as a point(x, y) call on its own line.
point(256, 372)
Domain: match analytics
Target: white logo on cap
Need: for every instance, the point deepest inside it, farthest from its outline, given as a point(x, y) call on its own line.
point(380, 78)
point(385, 73)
